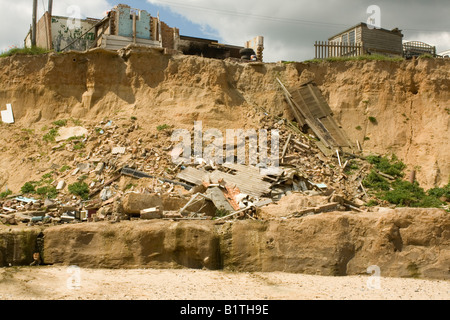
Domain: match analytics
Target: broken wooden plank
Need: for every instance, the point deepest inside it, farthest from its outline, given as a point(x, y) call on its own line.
point(286, 145)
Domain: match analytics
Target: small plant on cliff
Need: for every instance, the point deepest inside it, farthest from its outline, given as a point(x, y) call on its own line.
point(80, 189)
point(221, 213)
point(392, 166)
point(47, 192)
point(60, 123)
point(51, 135)
point(23, 51)
point(373, 120)
point(28, 187)
point(375, 181)
point(5, 194)
point(64, 168)
point(163, 127)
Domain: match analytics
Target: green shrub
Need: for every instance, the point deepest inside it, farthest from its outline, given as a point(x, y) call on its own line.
point(50, 136)
point(373, 120)
point(24, 51)
point(76, 138)
point(47, 191)
point(5, 194)
point(80, 189)
point(163, 127)
point(28, 187)
point(440, 192)
point(60, 123)
point(79, 146)
point(392, 166)
point(405, 194)
point(376, 181)
point(372, 203)
point(64, 168)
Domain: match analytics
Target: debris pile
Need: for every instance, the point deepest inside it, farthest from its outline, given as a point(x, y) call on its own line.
point(124, 178)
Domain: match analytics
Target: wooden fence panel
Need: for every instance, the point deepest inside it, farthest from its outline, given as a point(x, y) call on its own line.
point(325, 49)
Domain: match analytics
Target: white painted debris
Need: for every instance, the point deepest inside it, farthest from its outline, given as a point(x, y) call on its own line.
point(151, 213)
point(106, 194)
point(60, 185)
point(69, 132)
point(118, 150)
point(271, 171)
point(7, 115)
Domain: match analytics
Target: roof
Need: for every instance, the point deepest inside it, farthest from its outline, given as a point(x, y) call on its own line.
point(362, 24)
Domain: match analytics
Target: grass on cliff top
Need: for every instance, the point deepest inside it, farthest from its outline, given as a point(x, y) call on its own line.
point(23, 51)
point(376, 57)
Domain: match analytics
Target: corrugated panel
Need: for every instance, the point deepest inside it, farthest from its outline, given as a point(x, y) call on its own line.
point(193, 175)
point(246, 183)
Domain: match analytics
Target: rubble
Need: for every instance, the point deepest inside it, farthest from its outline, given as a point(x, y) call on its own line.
point(130, 181)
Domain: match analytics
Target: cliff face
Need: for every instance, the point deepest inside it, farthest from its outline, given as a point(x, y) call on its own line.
point(409, 100)
point(401, 242)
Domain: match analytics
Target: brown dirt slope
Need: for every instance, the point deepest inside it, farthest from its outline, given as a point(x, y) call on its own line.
point(410, 101)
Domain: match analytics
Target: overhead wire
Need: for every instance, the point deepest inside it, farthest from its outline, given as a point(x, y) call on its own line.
point(273, 18)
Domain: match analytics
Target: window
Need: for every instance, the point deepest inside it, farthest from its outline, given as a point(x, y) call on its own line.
point(345, 38)
point(352, 36)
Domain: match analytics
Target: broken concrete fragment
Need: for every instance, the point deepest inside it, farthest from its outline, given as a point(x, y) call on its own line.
point(118, 150)
point(99, 168)
point(133, 203)
point(106, 194)
point(70, 132)
point(84, 167)
point(60, 185)
point(217, 197)
point(151, 213)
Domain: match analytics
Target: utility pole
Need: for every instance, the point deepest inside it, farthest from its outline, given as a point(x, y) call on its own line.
point(33, 24)
point(50, 7)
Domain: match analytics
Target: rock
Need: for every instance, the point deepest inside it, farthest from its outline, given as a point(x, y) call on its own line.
point(403, 243)
point(133, 203)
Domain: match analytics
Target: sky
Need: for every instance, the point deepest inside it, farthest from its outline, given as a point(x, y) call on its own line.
point(289, 27)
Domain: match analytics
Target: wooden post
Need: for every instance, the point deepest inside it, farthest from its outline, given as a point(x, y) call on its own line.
point(339, 158)
point(412, 176)
point(134, 27)
point(33, 24)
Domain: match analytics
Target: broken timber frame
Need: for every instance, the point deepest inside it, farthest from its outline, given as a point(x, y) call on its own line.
point(309, 107)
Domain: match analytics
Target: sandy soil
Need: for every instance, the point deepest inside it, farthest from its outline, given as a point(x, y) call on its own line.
point(63, 283)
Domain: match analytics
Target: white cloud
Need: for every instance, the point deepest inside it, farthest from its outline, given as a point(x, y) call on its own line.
point(439, 39)
point(16, 16)
point(290, 27)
